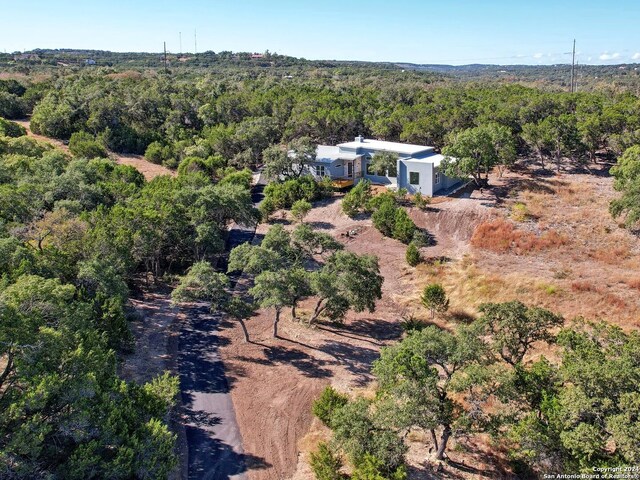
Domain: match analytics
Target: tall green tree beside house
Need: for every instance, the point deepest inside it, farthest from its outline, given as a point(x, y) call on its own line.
point(475, 151)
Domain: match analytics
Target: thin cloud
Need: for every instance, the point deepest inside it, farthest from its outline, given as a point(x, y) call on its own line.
point(635, 56)
point(609, 56)
point(538, 55)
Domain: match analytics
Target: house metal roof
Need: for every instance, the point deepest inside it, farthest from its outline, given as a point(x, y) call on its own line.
point(326, 153)
point(381, 145)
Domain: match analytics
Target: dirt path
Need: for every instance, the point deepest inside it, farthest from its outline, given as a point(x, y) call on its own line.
point(148, 169)
point(274, 381)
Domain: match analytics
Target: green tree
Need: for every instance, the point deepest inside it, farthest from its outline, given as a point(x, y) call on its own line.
point(289, 161)
point(346, 282)
point(562, 131)
point(415, 378)
point(359, 432)
point(385, 163)
point(435, 299)
point(384, 215)
point(537, 137)
point(514, 328)
point(475, 151)
point(279, 289)
point(627, 181)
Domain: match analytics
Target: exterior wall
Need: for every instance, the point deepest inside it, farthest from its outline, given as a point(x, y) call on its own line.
point(424, 169)
point(335, 169)
point(445, 183)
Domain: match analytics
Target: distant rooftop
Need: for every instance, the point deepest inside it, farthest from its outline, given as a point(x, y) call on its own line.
point(381, 145)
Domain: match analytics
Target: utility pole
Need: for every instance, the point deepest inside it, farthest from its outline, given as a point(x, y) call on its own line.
point(180, 35)
point(165, 57)
point(195, 41)
point(573, 64)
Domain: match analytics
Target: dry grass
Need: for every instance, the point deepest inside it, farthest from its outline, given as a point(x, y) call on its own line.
point(501, 236)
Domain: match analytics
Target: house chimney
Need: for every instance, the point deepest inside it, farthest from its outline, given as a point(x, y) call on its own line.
point(359, 138)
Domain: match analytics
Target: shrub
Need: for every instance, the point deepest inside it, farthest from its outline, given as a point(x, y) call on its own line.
point(326, 464)
point(519, 212)
point(421, 201)
point(11, 129)
point(157, 152)
point(357, 199)
point(242, 177)
point(285, 194)
point(300, 209)
point(403, 228)
point(435, 299)
point(328, 403)
point(372, 468)
point(266, 208)
point(412, 255)
point(421, 238)
point(83, 144)
point(384, 217)
point(411, 324)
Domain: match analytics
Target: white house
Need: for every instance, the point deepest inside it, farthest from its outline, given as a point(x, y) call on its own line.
point(417, 169)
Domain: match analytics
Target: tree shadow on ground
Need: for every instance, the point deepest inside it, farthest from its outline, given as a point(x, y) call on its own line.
point(375, 328)
point(357, 360)
point(321, 225)
point(308, 365)
point(227, 461)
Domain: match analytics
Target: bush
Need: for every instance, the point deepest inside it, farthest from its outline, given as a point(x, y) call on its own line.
point(357, 199)
point(403, 228)
point(242, 177)
point(11, 129)
point(285, 194)
point(411, 324)
point(384, 217)
point(328, 403)
point(300, 209)
point(326, 464)
point(157, 152)
point(391, 220)
point(435, 299)
point(421, 201)
point(412, 255)
point(83, 144)
point(266, 208)
point(372, 468)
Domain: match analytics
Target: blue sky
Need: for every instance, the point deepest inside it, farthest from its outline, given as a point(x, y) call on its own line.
point(453, 32)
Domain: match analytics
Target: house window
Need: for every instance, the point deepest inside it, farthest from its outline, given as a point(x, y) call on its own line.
point(436, 178)
point(392, 172)
point(414, 178)
point(320, 171)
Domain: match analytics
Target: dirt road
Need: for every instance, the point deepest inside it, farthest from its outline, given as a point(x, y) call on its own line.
point(148, 169)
